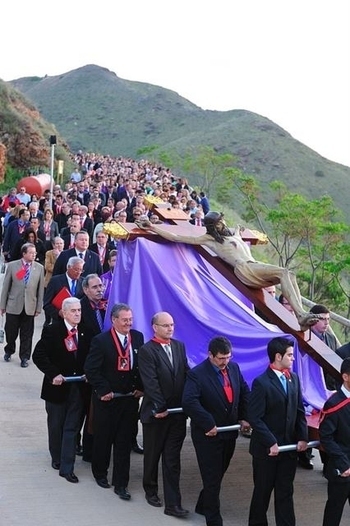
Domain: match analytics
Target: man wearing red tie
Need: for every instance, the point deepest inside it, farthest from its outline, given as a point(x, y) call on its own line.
point(197, 219)
point(215, 394)
point(60, 354)
point(21, 299)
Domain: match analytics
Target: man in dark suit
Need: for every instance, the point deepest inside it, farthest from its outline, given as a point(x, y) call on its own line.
point(92, 262)
point(197, 218)
point(61, 353)
point(335, 439)
point(276, 414)
point(215, 394)
point(112, 370)
point(71, 280)
point(69, 236)
point(93, 310)
point(14, 231)
point(62, 218)
point(101, 248)
point(323, 331)
point(163, 368)
point(85, 221)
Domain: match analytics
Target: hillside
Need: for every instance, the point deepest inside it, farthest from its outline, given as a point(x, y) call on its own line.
point(95, 110)
point(24, 134)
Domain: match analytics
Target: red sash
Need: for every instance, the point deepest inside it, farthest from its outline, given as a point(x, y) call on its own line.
point(333, 409)
point(123, 360)
point(161, 341)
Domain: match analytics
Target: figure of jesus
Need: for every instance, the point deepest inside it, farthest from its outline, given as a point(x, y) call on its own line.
point(232, 249)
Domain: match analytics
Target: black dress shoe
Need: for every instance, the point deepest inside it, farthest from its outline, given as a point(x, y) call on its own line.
point(24, 363)
point(103, 483)
point(7, 357)
point(154, 500)
point(137, 448)
point(176, 511)
point(55, 465)
point(79, 450)
point(122, 493)
point(70, 477)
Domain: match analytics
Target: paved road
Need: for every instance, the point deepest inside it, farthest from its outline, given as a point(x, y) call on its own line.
point(32, 493)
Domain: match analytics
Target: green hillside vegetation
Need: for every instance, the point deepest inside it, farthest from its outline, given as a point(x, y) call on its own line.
point(250, 167)
point(95, 110)
point(24, 135)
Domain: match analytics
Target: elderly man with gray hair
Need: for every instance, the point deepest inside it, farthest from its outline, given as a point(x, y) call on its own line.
point(62, 286)
point(60, 354)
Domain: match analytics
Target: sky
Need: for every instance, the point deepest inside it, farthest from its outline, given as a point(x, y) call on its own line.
point(286, 60)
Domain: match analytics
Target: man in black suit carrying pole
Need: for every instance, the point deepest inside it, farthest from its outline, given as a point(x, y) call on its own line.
point(163, 368)
point(335, 439)
point(61, 353)
point(215, 394)
point(112, 370)
point(276, 414)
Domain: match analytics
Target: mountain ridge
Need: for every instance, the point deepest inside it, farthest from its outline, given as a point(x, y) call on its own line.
point(95, 110)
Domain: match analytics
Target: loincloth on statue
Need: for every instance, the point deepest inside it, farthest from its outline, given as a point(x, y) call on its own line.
point(255, 274)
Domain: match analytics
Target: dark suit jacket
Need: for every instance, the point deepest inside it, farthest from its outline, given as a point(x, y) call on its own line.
point(205, 402)
point(105, 266)
point(12, 235)
point(92, 262)
point(344, 351)
point(56, 284)
point(66, 241)
point(52, 358)
point(163, 384)
point(88, 225)
point(101, 365)
point(89, 320)
point(61, 220)
point(274, 415)
point(335, 437)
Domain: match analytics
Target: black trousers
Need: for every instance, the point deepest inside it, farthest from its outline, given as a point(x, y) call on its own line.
point(63, 423)
point(273, 474)
point(338, 494)
point(113, 423)
point(21, 324)
point(164, 438)
point(213, 456)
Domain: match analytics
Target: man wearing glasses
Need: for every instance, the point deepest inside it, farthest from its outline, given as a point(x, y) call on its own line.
point(163, 367)
point(215, 394)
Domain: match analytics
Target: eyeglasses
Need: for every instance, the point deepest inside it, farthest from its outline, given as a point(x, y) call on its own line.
point(165, 325)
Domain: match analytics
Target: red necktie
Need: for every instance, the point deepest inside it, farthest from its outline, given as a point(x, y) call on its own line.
point(227, 386)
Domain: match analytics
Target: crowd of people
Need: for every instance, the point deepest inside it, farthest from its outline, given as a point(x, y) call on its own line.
point(59, 258)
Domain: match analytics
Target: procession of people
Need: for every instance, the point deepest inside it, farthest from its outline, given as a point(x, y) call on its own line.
point(101, 377)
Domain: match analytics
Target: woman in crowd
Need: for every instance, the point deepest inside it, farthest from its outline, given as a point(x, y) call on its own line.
point(49, 227)
point(30, 236)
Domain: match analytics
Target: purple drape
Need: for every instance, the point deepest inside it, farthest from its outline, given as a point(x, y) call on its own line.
point(173, 277)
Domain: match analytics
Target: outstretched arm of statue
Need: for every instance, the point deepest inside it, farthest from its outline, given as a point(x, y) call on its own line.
point(170, 236)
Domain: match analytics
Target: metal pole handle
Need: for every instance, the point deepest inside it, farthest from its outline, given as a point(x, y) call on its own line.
point(122, 395)
point(70, 379)
point(293, 447)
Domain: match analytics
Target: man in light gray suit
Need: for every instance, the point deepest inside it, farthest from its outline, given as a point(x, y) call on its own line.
point(21, 300)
